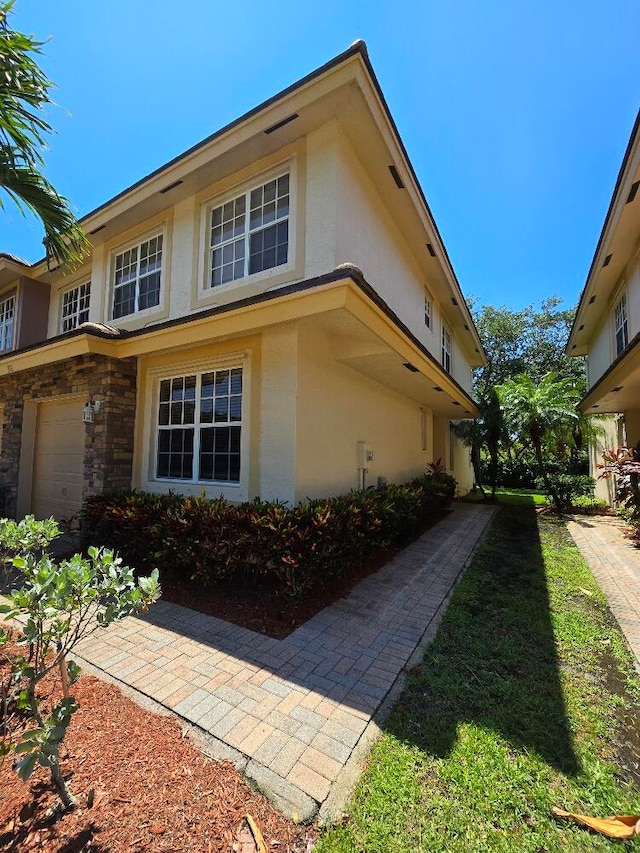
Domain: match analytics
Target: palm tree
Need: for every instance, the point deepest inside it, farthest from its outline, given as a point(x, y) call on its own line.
point(24, 92)
point(484, 432)
point(534, 410)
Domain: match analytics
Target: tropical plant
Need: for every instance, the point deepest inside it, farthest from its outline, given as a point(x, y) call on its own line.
point(24, 93)
point(484, 434)
point(624, 464)
point(57, 605)
point(532, 412)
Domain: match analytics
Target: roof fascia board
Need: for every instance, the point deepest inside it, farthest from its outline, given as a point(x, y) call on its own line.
point(631, 156)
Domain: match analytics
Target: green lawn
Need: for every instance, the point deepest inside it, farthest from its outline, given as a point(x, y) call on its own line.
point(526, 699)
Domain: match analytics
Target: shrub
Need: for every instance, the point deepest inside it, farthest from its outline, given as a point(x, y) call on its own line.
point(568, 487)
point(624, 464)
point(262, 542)
point(56, 606)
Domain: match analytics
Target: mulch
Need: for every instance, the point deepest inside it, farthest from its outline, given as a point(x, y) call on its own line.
point(154, 791)
point(268, 611)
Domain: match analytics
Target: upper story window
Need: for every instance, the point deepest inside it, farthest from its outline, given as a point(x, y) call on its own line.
point(199, 427)
point(75, 306)
point(250, 233)
point(446, 348)
point(137, 274)
point(427, 310)
point(620, 322)
point(7, 312)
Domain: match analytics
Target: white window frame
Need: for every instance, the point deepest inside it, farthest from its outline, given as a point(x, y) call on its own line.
point(446, 349)
point(209, 294)
point(197, 425)
point(428, 312)
point(82, 302)
point(7, 322)
point(136, 245)
point(620, 324)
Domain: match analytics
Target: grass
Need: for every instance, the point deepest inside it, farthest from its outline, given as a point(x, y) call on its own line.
point(526, 699)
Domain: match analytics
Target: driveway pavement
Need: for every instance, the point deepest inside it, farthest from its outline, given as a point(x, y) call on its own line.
point(615, 563)
point(297, 715)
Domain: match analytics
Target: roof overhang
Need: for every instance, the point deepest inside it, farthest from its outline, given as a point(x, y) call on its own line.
point(345, 90)
point(11, 268)
point(617, 244)
point(617, 390)
point(369, 338)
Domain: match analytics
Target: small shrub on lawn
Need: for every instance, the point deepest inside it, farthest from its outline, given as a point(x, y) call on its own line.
point(568, 487)
point(263, 542)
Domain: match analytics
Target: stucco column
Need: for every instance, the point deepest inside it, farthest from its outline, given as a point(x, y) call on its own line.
point(279, 389)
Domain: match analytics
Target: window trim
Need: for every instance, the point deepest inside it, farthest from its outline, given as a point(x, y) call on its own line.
point(182, 364)
point(621, 301)
point(4, 299)
point(61, 297)
point(197, 425)
point(206, 292)
point(428, 310)
point(446, 337)
point(159, 229)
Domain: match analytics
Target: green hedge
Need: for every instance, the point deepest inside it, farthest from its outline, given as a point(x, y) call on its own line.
point(213, 541)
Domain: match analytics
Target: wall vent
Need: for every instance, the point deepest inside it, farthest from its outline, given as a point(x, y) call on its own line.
point(282, 123)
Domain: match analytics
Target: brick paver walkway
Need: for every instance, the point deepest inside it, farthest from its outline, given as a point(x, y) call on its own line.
point(615, 563)
point(292, 711)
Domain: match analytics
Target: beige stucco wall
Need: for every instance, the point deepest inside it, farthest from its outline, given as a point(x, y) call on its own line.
point(612, 428)
point(337, 407)
point(602, 345)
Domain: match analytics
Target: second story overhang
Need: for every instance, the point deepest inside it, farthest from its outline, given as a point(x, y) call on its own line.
point(366, 336)
point(618, 389)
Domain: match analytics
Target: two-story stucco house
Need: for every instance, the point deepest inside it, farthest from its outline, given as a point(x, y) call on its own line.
point(272, 313)
point(607, 324)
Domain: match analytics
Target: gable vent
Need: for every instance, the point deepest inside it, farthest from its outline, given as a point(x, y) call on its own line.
point(431, 250)
point(396, 177)
point(633, 192)
point(607, 261)
point(282, 123)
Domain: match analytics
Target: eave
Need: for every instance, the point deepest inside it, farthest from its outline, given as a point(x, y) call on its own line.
point(618, 389)
point(341, 294)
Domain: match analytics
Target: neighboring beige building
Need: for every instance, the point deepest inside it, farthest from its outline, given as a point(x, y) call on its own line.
point(273, 313)
point(607, 324)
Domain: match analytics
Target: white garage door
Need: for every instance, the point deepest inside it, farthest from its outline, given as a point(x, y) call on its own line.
point(58, 459)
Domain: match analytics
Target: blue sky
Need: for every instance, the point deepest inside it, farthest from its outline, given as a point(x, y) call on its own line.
point(515, 114)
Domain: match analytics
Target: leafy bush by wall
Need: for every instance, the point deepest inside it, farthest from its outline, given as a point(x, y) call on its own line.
point(266, 542)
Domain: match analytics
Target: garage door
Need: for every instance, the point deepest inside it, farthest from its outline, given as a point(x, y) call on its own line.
point(58, 459)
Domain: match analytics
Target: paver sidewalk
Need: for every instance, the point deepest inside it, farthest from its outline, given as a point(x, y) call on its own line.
point(292, 711)
point(615, 563)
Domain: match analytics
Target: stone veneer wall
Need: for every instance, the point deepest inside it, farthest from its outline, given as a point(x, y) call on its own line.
point(108, 449)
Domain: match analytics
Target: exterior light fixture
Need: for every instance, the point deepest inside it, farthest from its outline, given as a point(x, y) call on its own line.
point(91, 408)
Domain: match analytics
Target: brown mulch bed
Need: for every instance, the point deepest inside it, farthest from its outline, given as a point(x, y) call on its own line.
point(265, 610)
point(153, 790)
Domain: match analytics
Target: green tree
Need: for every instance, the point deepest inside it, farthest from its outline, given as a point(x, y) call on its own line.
point(484, 434)
point(56, 606)
point(531, 341)
point(533, 409)
point(24, 93)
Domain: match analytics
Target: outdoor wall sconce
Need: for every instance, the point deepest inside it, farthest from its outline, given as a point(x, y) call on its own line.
point(91, 408)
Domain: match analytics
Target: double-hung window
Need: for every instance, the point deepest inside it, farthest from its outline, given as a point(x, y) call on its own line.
point(7, 313)
point(621, 327)
point(75, 306)
point(137, 274)
point(250, 233)
point(199, 427)
point(427, 310)
point(446, 349)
